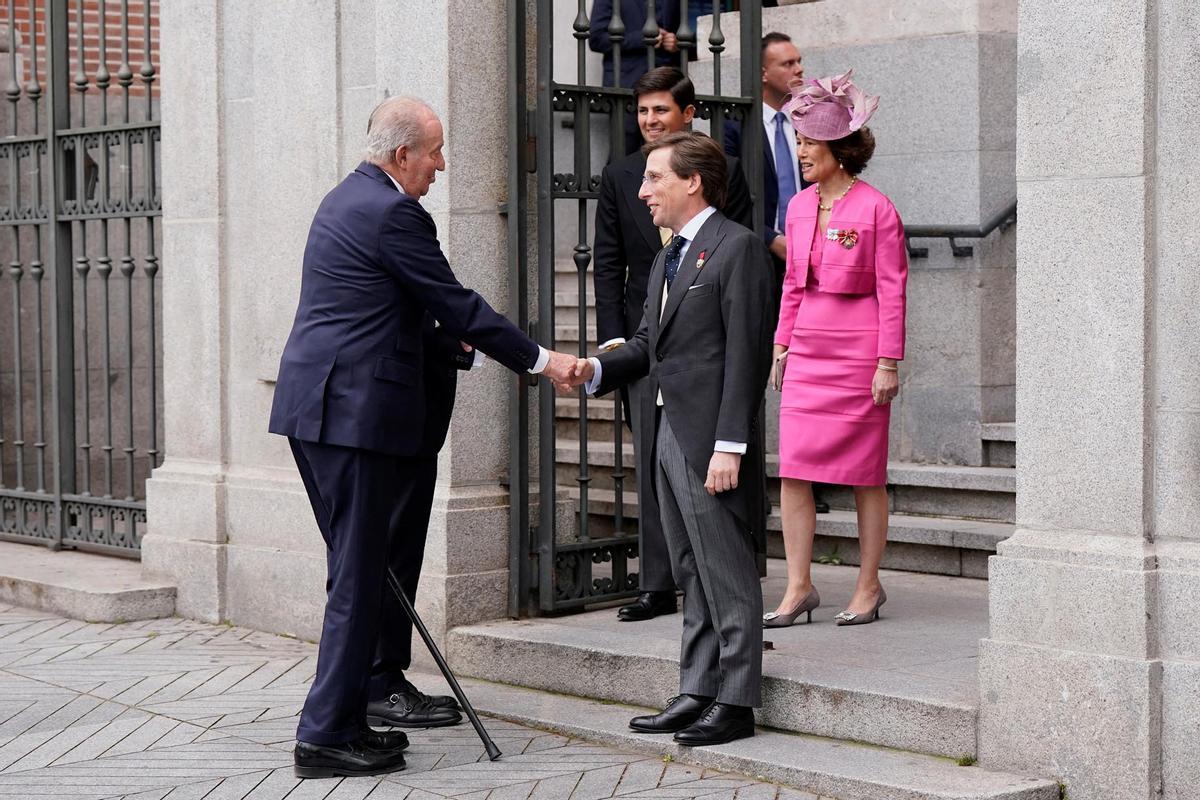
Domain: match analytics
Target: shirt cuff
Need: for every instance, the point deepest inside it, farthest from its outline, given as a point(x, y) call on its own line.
point(613, 342)
point(479, 359)
point(591, 386)
point(542, 360)
point(723, 446)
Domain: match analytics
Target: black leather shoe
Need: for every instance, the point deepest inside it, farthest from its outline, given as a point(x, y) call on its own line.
point(404, 709)
point(821, 506)
point(435, 700)
point(384, 740)
point(680, 712)
point(720, 723)
point(648, 606)
point(349, 760)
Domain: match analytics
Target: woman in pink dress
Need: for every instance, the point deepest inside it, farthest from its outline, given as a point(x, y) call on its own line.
point(839, 338)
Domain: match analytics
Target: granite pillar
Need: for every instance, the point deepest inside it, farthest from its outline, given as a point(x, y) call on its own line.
point(273, 117)
point(1089, 674)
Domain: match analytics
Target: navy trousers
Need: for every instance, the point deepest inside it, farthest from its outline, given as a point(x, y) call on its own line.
point(364, 503)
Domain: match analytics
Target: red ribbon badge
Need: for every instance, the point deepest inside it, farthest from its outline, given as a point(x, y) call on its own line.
point(700, 260)
point(847, 238)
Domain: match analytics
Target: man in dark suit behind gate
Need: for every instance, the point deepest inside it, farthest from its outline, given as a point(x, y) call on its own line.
point(627, 240)
point(703, 343)
point(354, 399)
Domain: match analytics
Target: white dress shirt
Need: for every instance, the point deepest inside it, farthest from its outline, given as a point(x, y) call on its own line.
point(543, 354)
point(789, 134)
point(688, 232)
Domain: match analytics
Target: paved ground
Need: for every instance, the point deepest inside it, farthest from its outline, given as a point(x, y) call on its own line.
point(182, 710)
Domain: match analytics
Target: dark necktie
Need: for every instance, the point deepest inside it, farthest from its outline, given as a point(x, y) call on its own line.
point(784, 168)
point(673, 251)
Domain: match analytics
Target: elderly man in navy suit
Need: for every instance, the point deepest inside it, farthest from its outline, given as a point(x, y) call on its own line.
point(354, 399)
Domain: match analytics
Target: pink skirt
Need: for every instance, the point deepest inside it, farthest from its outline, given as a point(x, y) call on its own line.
point(830, 430)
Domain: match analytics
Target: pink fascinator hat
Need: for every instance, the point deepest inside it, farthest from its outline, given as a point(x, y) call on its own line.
point(826, 109)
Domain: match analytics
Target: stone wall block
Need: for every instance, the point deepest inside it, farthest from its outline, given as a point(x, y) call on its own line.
point(196, 568)
point(1080, 312)
point(1073, 606)
point(1088, 720)
point(1093, 87)
point(1180, 730)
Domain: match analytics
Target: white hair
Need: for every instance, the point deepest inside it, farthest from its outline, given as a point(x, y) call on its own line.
point(398, 121)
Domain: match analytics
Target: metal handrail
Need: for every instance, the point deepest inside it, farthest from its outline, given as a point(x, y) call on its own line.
point(1003, 220)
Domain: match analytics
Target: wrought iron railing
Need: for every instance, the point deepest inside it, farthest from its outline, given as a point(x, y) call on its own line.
point(1003, 220)
point(80, 237)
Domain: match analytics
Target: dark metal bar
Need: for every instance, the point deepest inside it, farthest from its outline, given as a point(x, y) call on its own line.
point(81, 78)
point(16, 270)
point(103, 77)
point(83, 268)
point(33, 88)
point(12, 89)
point(716, 46)
point(650, 33)
point(616, 36)
point(545, 266)
point(124, 71)
point(127, 271)
point(685, 37)
point(151, 270)
point(148, 72)
point(751, 70)
point(1005, 217)
point(104, 270)
point(518, 394)
point(62, 361)
point(37, 271)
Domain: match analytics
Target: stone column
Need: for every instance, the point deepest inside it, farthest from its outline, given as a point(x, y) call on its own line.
point(186, 496)
point(1090, 671)
point(273, 115)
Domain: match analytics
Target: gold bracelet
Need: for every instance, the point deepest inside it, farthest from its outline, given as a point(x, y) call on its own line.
point(886, 368)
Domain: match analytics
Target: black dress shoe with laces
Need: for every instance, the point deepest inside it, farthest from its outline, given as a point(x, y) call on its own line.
point(384, 740)
point(720, 723)
point(648, 606)
point(435, 700)
point(680, 712)
point(349, 760)
point(410, 709)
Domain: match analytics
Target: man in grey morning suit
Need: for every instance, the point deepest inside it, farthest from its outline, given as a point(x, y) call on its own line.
point(705, 348)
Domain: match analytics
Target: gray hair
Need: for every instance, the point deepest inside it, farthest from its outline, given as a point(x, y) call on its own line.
point(398, 121)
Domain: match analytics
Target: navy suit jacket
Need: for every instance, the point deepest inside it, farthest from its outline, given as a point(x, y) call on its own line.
point(633, 48)
point(354, 370)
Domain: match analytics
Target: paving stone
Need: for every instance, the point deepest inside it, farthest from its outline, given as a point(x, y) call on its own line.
point(177, 710)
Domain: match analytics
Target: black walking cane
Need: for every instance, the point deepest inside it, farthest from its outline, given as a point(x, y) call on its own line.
point(488, 745)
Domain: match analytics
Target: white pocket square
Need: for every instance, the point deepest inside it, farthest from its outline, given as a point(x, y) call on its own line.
point(697, 286)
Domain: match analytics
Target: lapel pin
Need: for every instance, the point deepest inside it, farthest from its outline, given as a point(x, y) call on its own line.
point(700, 260)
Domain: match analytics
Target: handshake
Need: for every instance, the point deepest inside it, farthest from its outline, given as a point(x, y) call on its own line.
point(567, 372)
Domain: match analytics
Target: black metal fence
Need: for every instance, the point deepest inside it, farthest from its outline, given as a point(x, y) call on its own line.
point(575, 545)
point(80, 201)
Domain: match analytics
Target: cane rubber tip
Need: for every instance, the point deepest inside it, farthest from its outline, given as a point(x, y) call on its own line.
point(494, 754)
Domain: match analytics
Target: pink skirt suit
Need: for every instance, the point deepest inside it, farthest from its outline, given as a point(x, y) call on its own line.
point(842, 309)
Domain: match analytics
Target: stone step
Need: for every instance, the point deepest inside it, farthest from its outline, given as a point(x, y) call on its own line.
point(999, 443)
point(84, 586)
point(916, 543)
point(830, 768)
point(941, 490)
point(908, 681)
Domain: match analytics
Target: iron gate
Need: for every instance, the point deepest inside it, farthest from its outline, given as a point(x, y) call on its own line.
point(80, 201)
point(579, 549)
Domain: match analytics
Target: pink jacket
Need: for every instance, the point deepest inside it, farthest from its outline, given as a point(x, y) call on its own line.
point(876, 263)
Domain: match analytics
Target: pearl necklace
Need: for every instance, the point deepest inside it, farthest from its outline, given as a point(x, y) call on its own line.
point(853, 180)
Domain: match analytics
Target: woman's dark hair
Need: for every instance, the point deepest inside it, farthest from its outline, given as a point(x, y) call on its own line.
point(854, 151)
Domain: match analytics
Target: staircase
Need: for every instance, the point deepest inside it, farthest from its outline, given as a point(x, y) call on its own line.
point(945, 519)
